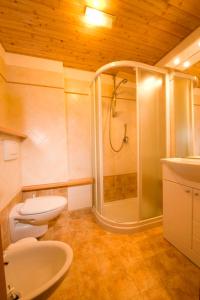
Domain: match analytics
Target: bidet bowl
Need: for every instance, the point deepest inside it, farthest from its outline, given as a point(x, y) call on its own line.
point(34, 266)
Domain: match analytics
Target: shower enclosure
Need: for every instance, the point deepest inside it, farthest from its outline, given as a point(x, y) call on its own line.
point(129, 139)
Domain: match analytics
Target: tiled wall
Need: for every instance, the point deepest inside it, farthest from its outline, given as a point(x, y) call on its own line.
point(3, 89)
point(34, 100)
point(123, 162)
point(78, 103)
point(120, 187)
point(38, 85)
point(10, 174)
point(10, 171)
point(4, 215)
point(120, 180)
point(46, 192)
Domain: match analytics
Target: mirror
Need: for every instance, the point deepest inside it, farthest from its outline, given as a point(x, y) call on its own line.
point(185, 114)
point(195, 71)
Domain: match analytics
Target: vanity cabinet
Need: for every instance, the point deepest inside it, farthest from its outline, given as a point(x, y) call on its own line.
point(196, 223)
point(181, 218)
point(177, 214)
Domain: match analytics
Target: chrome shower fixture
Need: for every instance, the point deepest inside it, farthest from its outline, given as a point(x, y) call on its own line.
point(113, 114)
point(114, 95)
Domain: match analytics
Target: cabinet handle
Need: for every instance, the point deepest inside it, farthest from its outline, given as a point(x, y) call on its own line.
point(196, 194)
point(187, 191)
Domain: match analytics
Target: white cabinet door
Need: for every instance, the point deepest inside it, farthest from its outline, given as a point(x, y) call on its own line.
point(177, 215)
point(196, 223)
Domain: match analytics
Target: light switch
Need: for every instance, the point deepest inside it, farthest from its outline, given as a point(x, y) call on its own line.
point(10, 149)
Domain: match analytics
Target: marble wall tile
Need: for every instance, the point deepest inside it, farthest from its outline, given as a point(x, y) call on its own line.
point(79, 135)
point(47, 192)
point(117, 187)
point(75, 86)
point(44, 152)
point(3, 103)
point(79, 197)
point(125, 161)
point(10, 173)
point(25, 75)
point(4, 221)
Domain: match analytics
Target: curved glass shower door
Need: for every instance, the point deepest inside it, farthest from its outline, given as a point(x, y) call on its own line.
point(129, 139)
point(119, 120)
point(115, 146)
point(152, 140)
point(97, 156)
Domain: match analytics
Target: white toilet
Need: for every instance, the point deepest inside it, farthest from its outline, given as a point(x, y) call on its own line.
point(30, 218)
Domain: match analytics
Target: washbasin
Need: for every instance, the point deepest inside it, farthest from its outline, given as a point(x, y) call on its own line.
point(32, 267)
point(188, 168)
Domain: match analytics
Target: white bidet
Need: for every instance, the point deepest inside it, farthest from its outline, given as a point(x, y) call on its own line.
point(32, 267)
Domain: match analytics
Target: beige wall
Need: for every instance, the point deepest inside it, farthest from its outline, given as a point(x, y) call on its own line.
point(44, 152)
point(78, 103)
point(40, 91)
point(123, 162)
point(10, 174)
point(10, 171)
point(52, 106)
point(55, 116)
point(79, 135)
point(3, 91)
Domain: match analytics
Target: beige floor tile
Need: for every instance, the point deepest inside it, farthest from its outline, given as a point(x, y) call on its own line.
point(111, 266)
point(159, 293)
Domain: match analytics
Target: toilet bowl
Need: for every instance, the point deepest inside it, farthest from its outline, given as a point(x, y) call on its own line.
point(30, 219)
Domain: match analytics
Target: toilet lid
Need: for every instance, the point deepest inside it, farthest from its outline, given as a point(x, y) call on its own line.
point(38, 205)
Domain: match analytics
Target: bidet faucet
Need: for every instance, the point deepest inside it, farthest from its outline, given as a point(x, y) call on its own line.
point(12, 294)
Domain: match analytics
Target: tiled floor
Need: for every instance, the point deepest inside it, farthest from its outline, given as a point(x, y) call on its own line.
point(110, 266)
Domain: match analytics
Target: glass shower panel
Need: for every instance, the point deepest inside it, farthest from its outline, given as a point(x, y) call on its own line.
point(152, 141)
point(120, 146)
point(97, 144)
point(196, 115)
point(181, 111)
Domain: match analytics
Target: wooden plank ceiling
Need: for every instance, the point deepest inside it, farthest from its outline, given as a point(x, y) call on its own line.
point(144, 30)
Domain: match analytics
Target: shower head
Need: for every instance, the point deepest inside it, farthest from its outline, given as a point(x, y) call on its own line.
point(114, 97)
point(118, 85)
point(124, 80)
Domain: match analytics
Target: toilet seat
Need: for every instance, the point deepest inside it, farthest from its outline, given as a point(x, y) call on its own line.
point(43, 204)
point(30, 218)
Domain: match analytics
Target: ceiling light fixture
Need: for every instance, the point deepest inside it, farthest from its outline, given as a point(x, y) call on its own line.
point(98, 4)
point(98, 18)
point(177, 61)
point(186, 64)
point(185, 54)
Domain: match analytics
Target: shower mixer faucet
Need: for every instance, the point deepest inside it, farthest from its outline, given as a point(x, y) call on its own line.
point(125, 139)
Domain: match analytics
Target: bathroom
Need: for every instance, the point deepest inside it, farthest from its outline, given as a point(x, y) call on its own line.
point(97, 121)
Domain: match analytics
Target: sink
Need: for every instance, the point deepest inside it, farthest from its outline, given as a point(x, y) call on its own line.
point(32, 267)
point(188, 168)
